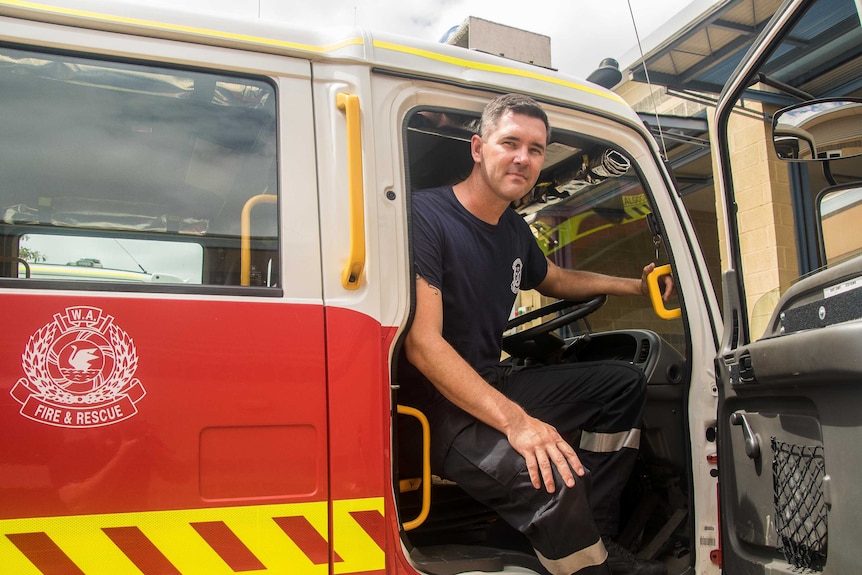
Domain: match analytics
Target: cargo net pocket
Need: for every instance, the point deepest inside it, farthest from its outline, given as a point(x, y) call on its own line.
point(800, 508)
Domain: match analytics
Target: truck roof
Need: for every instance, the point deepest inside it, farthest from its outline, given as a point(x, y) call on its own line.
point(389, 52)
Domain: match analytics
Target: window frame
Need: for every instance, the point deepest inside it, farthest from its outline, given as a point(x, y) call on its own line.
point(11, 238)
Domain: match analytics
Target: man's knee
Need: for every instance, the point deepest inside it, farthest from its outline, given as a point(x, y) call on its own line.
point(630, 376)
point(629, 384)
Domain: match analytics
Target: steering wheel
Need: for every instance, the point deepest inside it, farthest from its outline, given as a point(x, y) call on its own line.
point(526, 342)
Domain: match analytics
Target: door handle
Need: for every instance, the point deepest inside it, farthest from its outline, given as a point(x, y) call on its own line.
point(752, 440)
point(426, 466)
point(655, 293)
point(245, 234)
point(746, 369)
point(352, 273)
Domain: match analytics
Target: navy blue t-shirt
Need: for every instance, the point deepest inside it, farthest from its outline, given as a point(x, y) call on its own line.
point(479, 269)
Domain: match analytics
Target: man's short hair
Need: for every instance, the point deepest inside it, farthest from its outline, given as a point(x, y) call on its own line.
point(515, 103)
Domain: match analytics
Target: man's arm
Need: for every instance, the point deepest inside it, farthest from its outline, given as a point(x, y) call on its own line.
point(577, 285)
point(539, 443)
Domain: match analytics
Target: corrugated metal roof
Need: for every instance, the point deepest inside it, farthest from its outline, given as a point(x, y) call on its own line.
point(822, 57)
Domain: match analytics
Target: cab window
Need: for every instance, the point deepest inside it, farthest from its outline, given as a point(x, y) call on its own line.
point(133, 172)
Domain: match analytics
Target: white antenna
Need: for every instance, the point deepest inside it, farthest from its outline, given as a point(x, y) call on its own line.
point(646, 73)
point(128, 253)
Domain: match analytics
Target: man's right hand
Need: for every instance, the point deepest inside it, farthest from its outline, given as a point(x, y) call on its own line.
point(542, 446)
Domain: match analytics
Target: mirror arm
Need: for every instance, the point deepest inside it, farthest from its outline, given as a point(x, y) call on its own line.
point(786, 88)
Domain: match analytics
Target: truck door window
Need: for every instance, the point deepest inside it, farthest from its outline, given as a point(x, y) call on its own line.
point(790, 149)
point(101, 155)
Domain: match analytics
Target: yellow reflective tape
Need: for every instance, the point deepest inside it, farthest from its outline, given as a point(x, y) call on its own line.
point(180, 28)
point(496, 68)
point(462, 62)
point(83, 540)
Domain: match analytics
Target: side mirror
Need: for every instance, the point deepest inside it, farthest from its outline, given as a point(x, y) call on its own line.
point(819, 130)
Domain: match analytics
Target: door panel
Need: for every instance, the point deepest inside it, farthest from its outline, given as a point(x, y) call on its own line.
point(790, 423)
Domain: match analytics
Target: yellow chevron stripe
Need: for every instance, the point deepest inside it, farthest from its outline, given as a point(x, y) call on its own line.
point(13, 561)
point(352, 543)
point(82, 539)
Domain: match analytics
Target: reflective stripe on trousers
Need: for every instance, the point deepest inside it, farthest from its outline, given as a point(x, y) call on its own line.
point(610, 442)
point(588, 557)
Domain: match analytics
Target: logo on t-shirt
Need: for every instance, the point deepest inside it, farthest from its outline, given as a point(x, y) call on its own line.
point(517, 266)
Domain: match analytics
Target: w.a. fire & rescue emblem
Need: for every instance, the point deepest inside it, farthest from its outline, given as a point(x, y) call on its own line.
point(79, 371)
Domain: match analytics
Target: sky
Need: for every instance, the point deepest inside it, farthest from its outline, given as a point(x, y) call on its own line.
point(582, 32)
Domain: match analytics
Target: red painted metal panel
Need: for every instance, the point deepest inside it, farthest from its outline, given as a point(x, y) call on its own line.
point(359, 415)
point(357, 354)
point(134, 383)
point(229, 469)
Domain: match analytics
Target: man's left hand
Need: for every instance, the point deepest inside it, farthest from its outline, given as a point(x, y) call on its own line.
point(668, 289)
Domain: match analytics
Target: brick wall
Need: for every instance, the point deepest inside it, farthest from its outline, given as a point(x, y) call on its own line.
point(766, 233)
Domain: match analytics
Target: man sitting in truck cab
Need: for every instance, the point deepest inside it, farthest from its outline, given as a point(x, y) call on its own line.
point(502, 433)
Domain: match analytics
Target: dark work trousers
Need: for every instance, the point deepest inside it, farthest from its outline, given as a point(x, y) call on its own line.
point(602, 400)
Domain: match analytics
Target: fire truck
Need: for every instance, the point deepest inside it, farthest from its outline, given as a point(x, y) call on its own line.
point(218, 395)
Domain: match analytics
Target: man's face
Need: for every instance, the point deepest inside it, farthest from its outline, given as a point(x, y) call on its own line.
point(511, 156)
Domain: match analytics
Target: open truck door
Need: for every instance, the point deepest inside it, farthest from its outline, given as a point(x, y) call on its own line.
point(790, 405)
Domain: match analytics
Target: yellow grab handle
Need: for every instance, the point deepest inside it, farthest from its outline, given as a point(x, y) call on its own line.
point(356, 260)
point(655, 293)
point(426, 467)
point(245, 235)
